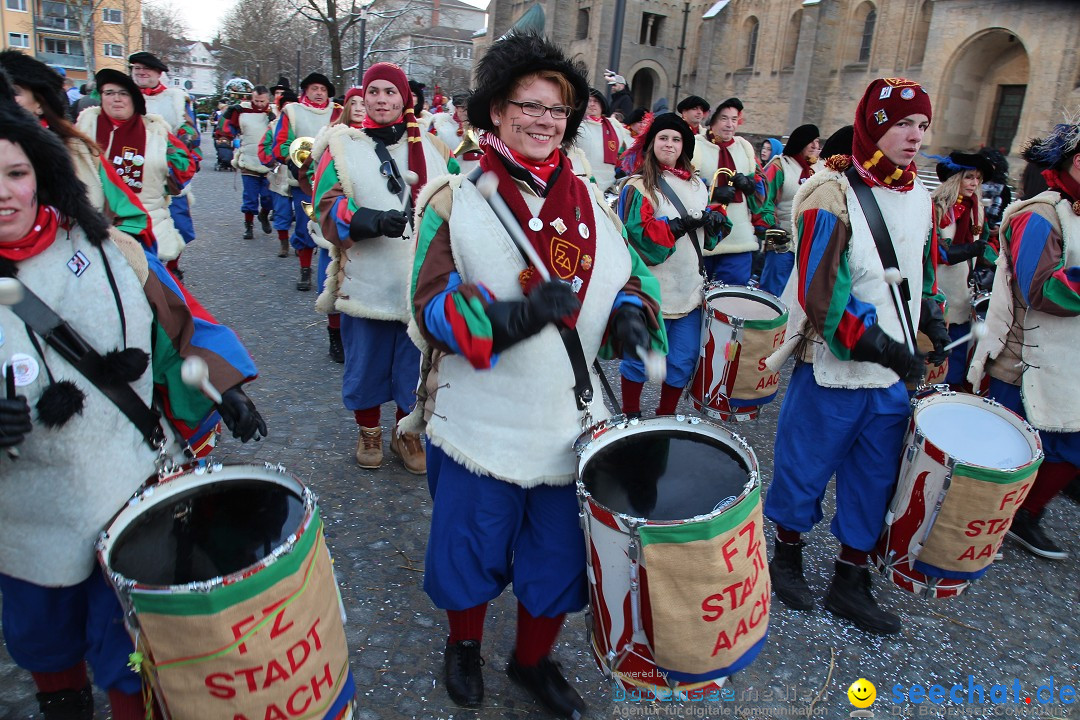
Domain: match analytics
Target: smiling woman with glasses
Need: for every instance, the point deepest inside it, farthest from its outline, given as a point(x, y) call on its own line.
point(497, 392)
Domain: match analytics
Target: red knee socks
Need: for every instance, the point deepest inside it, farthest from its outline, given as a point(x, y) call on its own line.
point(367, 418)
point(1053, 477)
point(249, 218)
point(535, 636)
point(333, 321)
point(669, 399)
point(74, 678)
point(631, 396)
point(852, 556)
point(282, 234)
point(466, 624)
point(305, 256)
point(787, 536)
point(129, 707)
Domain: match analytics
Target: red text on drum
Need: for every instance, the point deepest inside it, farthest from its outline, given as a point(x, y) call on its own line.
point(739, 593)
point(994, 526)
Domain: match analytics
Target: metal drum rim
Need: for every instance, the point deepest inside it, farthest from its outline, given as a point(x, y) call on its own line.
point(719, 289)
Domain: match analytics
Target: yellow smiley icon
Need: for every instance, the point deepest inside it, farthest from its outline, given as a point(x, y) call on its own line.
point(862, 693)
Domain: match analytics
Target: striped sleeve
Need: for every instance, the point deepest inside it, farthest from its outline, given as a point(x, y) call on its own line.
point(123, 207)
point(276, 144)
point(773, 178)
point(333, 208)
point(182, 165)
point(1039, 271)
point(450, 313)
point(642, 290)
point(931, 254)
point(649, 235)
point(824, 289)
point(265, 150)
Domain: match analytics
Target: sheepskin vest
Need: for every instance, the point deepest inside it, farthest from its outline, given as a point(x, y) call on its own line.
point(782, 209)
point(518, 420)
point(306, 121)
point(281, 181)
point(171, 105)
point(953, 281)
point(252, 131)
point(590, 139)
point(69, 481)
point(155, 175)
point(375, 272)
point(446, 128)
point(680, 274)
point(707, 158)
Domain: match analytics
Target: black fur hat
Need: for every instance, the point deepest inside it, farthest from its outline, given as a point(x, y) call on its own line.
point(36, 76)
point(318, 77)
point(115, 77)
point(522, 54)
point(7, 90)
point(801, 137)
point(839, 143)
point(57, 184)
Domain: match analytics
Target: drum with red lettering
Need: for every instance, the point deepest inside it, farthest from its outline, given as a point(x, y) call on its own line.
point(741, 327)
point(968, 465)
point(230, 597)
point(679, 581)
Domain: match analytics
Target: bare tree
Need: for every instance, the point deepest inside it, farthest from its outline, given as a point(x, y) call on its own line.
point(260, 38)
point(164, 30)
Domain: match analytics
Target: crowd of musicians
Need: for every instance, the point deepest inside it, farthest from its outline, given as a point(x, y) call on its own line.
point(462, 251)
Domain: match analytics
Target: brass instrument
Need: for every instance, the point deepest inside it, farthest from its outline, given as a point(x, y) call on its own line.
point(308, 208)
point(715, 184)
point(777, 240)
point(469, 143)
point(300, 150)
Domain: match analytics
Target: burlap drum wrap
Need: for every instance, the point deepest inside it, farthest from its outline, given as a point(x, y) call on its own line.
point(273, 641)
point(709, 591)
point(974, 516)
point(753, 380)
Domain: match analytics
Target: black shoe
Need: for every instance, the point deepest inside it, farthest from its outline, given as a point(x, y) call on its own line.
point(545, 682)
point(1026, 531)
point(786, 573)
point(462, 674)
point(264, 221)
point(304, 283)
point(249, 233)
point(337, 350)
point(1072, 490)
point(849, 597)
point(67, 704)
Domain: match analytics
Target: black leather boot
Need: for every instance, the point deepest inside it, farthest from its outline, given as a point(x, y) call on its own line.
point(67, 704)
point(462, 673)
point(264, 221)
point(304, 283)
point(1025, 529)
point(249, 232)
point(546, 684)
point(337, 350)
point(849, 597)
point(786, 573)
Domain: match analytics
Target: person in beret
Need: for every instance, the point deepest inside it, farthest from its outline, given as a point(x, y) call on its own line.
point(693, 109)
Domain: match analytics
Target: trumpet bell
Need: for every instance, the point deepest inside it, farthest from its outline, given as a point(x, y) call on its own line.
point(469, 143)
point(300, 150)
point(309, 209)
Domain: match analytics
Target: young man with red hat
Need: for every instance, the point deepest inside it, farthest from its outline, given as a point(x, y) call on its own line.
point(364, 204)
point(846, 407)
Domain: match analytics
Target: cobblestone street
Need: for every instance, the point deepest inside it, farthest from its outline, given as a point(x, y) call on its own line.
point(1019, 622)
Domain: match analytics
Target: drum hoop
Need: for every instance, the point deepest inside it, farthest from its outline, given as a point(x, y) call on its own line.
point(599, 436)
point(720, 290)
point(939, 395)
point(214, 473)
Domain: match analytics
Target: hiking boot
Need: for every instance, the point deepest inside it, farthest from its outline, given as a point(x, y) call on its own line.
point(249, 233)
point(284, 251)
point(369, 452)
point(462, 673)
point(408, 447)
point(67, 704)
point(786, 573)
point(264, 221)
point(337, 350)
point(304, 283)
point(1025, 530)
point(546, 684)
point(849, 597)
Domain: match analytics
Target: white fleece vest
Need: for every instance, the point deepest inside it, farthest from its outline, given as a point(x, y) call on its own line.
point(306, 121)
point(375, 272)
point(69, 481)
point(590, 139)
point(170, 105)
point(782, 209)
point(252, 131)
point(446, 129)
point(281, 181)
point(953, 281)
point(680, 275)
point(707, 159)
point(908, 217)
point(155, 174)
point(518, 421)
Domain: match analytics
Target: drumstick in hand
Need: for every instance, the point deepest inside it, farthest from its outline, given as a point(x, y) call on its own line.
point(488, 185)
point(978, 332)
point(11, 292)
point(195, 373)
point(894, 278)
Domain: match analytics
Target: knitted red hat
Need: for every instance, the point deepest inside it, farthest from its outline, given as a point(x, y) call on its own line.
point(886, 102)
point(394, 75)
point(353, 92)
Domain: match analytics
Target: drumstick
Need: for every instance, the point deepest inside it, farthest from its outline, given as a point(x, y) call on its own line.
point(978, 332)
point(11, 292)
point(9, 385)
point(893, 278)
point(195, 373)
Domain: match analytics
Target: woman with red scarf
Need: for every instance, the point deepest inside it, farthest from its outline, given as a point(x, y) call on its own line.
point(364, 202)
point(665, 238)
point(497, 389)
point(1034, 328)
point(962, 233)
point(845, 411)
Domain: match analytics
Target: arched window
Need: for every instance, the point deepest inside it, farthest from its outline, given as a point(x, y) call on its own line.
point(791, 42)
point(869, 17)
point(922, 32)
point(582, 24)
point(751, 33)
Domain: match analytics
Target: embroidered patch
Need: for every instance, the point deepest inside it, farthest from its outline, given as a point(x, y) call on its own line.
point(564, 257)
point(586, 262)
point(907, 93)
point(885, 92)
point(559, 225)
point(78, 263)
point(881, 117)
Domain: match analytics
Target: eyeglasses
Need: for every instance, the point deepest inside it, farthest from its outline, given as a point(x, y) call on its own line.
point(116, 93)
point(535, 109)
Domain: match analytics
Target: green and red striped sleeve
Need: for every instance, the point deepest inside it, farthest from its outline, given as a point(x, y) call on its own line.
point(123, 207)
point(648, 234)
point(1036, 252)
point(182, 166)
point(642, 290)
point(773, 175)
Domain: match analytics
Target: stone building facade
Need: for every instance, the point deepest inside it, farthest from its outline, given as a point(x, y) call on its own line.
point(998, 71)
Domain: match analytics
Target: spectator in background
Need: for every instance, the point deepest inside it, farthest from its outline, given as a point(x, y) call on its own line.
point(621, 102)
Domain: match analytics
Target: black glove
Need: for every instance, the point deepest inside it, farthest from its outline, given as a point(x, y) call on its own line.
point(932, 323)
point(515, 320)
point(629, 329)
point(368, 223)
point(984, 278)
point(959, 253)
point(14, 421)
point(877, 347)
point(714, 222)
point(743, 184)
point(724, 195)
point(678, 226)
point(240, 416)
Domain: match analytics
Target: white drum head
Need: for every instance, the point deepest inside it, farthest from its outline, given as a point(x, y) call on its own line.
point(746, 308)
point(974, 435)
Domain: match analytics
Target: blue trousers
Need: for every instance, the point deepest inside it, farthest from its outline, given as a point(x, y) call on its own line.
point(777, 270)
point(1058, 446)
point(283, 214)
point(256, 193)
point(487, 533)
point(684, 346)
point(323, 264)
point(180, 210)
point(301, 238)
point(50, 629)
point(733, 269)
point(958, 356)
point(858, 434)
point(381, 363)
